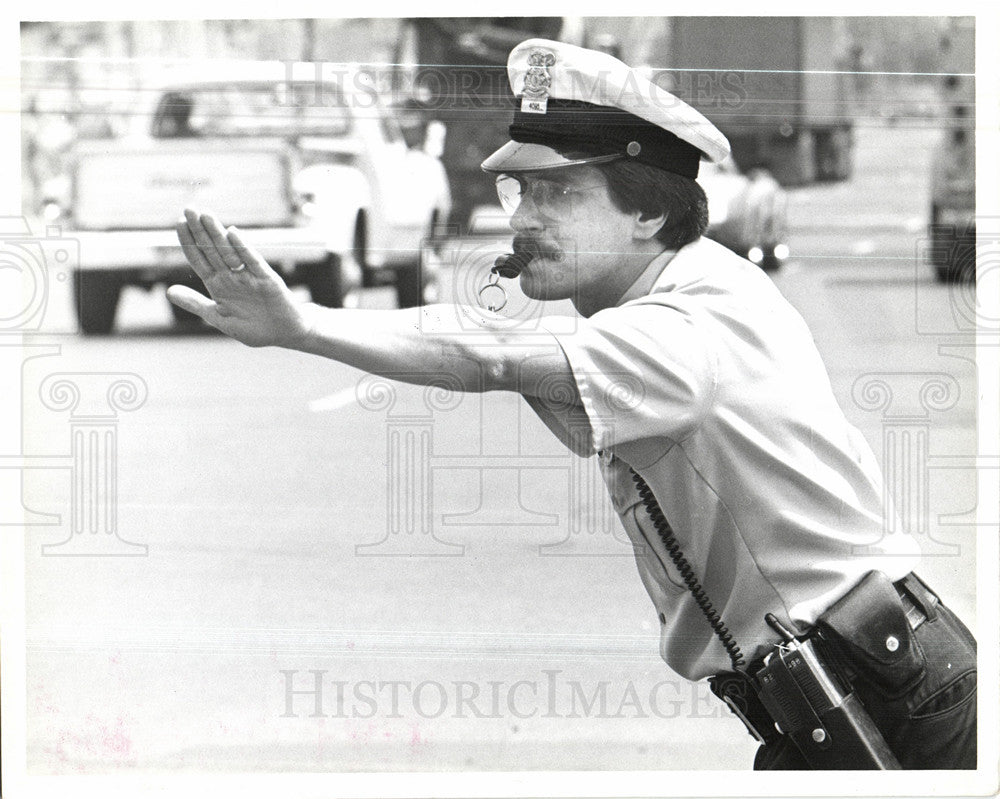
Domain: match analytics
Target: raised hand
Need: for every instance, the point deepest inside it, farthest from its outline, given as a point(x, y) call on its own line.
point(247, 300)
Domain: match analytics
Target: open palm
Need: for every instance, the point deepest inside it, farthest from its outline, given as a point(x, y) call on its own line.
point(247, 299)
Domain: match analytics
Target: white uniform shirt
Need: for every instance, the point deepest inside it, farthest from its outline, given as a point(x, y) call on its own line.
point(711, 387)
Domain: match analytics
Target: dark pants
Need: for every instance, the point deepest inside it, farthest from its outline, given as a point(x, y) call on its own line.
point(930, 725)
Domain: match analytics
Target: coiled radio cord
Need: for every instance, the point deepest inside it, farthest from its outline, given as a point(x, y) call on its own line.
point(687, 573)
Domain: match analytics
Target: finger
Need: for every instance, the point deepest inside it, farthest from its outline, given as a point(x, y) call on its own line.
point(256, 265)
point(190, 300)
point(204, 241)
point(222, 245)
point(190, 249)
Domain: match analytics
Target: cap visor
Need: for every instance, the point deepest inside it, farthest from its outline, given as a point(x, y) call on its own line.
point(517, 156)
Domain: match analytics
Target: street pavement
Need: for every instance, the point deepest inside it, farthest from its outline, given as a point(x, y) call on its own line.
point(435, 564)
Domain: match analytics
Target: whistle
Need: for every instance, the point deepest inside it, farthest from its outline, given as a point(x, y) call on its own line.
point(511, 264)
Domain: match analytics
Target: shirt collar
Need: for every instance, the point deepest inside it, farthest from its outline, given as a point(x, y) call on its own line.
point(643, 284)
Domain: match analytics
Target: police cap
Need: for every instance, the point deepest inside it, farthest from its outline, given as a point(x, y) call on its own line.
point(578, 106)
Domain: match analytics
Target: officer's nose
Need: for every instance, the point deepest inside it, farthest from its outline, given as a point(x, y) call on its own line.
point(526, 217)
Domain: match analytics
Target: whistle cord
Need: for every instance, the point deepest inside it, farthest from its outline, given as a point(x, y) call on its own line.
point(687, 573)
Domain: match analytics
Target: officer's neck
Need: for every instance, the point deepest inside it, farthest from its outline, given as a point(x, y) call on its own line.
point(643, 284)
point(635, 278)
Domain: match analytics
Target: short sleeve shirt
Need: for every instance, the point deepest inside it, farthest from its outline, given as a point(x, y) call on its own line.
point(712, 389)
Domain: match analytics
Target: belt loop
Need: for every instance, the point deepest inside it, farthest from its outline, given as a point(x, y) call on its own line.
point(919, 592)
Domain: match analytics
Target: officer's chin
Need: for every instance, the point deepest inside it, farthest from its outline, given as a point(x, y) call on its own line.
point(543, 279)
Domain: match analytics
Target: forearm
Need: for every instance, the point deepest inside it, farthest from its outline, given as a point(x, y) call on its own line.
point(414, 345)
point(461, 347)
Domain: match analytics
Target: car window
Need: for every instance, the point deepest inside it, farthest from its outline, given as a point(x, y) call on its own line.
point(273, 109)
point(390, 127)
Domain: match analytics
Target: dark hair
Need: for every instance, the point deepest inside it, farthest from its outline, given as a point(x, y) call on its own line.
point(639, 187)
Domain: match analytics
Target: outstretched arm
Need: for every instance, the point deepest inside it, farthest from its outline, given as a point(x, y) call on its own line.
point(249, 301)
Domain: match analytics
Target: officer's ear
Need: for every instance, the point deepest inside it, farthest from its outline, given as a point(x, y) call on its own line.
point(647, 226)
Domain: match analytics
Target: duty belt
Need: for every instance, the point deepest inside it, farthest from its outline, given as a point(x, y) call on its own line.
point(736, 690)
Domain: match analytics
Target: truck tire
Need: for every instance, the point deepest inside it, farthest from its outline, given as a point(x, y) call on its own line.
point(95, 295)
point(182, 317)
point(413, 279)
point(959, 270)
point(952, 251)
point(770, 262)
point(325, 281)
point(833, 153)
point(369, 276)
point(409, 285)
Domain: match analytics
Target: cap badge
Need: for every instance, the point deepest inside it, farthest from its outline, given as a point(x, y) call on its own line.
point(537, 81)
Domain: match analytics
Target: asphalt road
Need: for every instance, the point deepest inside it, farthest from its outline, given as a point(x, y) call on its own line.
point(492, 627)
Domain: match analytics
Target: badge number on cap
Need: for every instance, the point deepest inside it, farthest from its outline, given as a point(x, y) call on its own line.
point(537, 81)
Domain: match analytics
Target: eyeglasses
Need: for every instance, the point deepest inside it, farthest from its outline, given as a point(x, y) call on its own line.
point(550, 198)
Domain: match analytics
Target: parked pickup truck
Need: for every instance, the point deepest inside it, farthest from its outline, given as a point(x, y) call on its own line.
point(307, 162)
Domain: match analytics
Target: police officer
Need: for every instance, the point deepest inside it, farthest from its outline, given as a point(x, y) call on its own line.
point(737, 477)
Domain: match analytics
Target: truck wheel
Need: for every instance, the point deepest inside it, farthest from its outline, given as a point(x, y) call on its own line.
point(325, 282)
point(952, 251)
point(409, 286)
point(369, 276)
point(182, 317)
point(95, 295)
point(770, 262)
point(413, 280)
point(961, 270)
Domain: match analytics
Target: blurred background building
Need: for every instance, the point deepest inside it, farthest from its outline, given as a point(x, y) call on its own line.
point(787, 91)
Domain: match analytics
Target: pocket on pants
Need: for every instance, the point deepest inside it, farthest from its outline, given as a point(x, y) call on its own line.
point(947, 698)
point(941, 733)
point(938, 729)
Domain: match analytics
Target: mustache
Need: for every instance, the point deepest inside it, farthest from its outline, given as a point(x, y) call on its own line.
point(529, 245)
point(525, 249)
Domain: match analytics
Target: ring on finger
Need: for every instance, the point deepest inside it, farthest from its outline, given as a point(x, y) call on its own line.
point(239, 268)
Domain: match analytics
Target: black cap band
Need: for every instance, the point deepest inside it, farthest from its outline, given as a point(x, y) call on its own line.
point(600, 130)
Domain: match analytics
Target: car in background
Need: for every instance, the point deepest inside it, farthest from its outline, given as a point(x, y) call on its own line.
point(308, 163)
point(746, 212)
